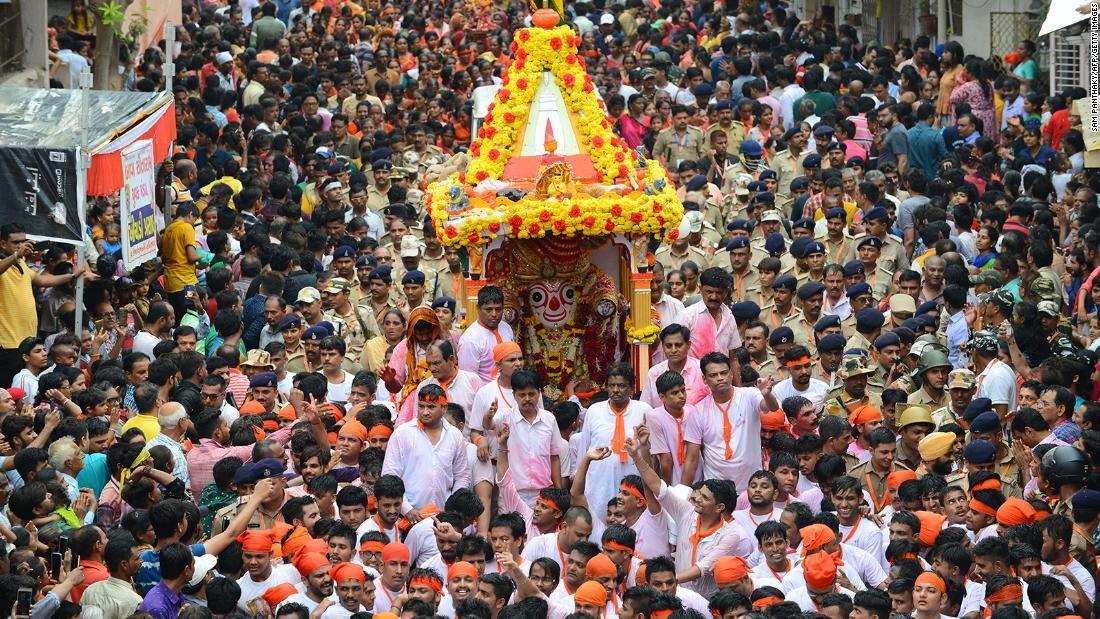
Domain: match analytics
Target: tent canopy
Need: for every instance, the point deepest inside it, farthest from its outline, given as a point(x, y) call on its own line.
point(50, 119)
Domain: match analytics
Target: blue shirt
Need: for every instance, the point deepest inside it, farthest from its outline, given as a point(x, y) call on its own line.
point(94, 475)
point(162, 602)
point(926, 148)
point(148, 577)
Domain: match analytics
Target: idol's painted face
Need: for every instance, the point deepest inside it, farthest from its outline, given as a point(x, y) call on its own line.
point(553, 302)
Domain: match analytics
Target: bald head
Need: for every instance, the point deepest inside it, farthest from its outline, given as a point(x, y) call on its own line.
point(170, 415)
point(186, 170)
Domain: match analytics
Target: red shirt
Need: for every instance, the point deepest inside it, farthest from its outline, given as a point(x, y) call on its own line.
point(93, 573)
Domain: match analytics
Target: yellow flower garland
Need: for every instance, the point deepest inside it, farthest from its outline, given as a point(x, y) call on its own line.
point(645, 335)
point(655, 209)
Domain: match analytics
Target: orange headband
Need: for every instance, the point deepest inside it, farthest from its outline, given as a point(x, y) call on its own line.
point(380, 431)
point(461, 568)
point(550, 503)
point(930, 578)
point(799, 361)
point(773, 420)
point(613, 545)
point(348, 571)
point(372, 546)
point(591, 592)
point(434, 399)
point(895, 479)
point(864, 414)
point(766, 601)
point(352, 427)
point(661, 614)
point(271, 425)
point(982, 508)
point(295, 541)
point(427, 581)
point(990, 484)
point(634, 492)
point(1015, 511)
point(1006, 594)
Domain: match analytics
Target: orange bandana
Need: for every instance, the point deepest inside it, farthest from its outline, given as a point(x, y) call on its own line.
point(348, 571)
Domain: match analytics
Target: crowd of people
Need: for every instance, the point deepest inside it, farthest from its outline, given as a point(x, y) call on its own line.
point(873, 393)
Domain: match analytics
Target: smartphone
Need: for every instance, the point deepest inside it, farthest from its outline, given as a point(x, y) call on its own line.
point(64, 543)
point(23, 602)
point(55, 565)
point(189, 289)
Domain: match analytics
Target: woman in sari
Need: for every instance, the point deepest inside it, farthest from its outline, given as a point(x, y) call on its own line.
point(408, 364)
point(393, 331)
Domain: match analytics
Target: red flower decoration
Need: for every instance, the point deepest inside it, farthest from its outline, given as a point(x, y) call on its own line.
point(475, 148)
point(616, 210)
point(589, 221)
point(544, 215)
point(588, 87)
point(488, 120)
point(503, 94)
point(559, 225)
point(604, 123)
point(555, 43)
point(490, 131)
point(620, 157)
point(597, 141)
point(673, 234)
point(494, 227)
point(636, 217)
point(514, 46)
point(494, 154)
point(473, 237)
point(508, 118)
point(571, 59)
point(609, 225)
point(575, 211)
point(523, 35)
point(521, 54)
point(615, 141)
point(569, 79)
point(520, 62)
point(656, 206)
point(481, 175)
point(462, 177)
point(533, 229)
point(452, 231)
point(641, 174)
point(515, 221)
point(661, 220)
point(574, 40)
point(521, 83)
point(623, 170)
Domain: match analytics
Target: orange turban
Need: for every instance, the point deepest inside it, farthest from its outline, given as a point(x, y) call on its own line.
point(314, 545)
point(379, 430)
point(592, 593)
point(293, 542)
point(348, 571)
point(252, 407)
point(820, 570)
point(386, 615)
point(864, 414)
point(599, 566)
point(815, 536)
point(503, 349)
point(1015, 511)
point(395, 551)
point(990, 484)
point(307, 562)
point(275, 595)
point(728, 570)
point(897, 478)
point(933, 579)
point(461, 568)
point(257, 541)
point(982, 508)
point(930, 526)
point(352, 427)
point(774, 420)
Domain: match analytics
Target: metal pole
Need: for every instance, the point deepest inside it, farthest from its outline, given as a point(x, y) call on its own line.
point(941, 22)
point(84, 163)
point(1052, 56)
point(169, 55)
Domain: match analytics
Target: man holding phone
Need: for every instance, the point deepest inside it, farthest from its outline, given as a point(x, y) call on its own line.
point(19, 320)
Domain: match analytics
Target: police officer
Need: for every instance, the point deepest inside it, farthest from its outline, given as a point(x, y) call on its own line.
point(868, 323)
point(852, 392)
point(245, 479)
point(932, 371)
point(830, 351)
point(981, 455)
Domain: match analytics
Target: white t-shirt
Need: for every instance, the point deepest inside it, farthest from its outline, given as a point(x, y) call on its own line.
point(604, 475)
point(785, 389)
point(998, 383)
point(866, 536)
point(665, 436)
point(339, 392)
point(706, 430)
point(749, 522)
point(1080, 573)
point(250, 589)
point(144, 342)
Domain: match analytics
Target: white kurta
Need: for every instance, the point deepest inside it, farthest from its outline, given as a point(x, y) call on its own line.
point(475, 348)
point(602, 482)
point(432, 472)
point(706, 430)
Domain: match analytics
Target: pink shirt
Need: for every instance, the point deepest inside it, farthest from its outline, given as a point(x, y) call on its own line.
point(475, 349)
point(709, 337)
point(510, 502)
point(530, 448)
point(665, 436)
point(202, 457)
point(693, 380)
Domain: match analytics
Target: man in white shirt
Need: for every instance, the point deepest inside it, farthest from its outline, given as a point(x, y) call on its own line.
point(339, 380)
point(158, 327)
point(261, 574)
point(1057, 559)
point(713, 327)
point(724, 438)
point(995, 380)
point(800, 366)
point(475, 348)
point(68, 53)
point(430, 455)
point(460, 385)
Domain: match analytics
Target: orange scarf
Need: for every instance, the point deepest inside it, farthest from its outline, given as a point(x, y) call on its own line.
point(700, 535)
point(618, 439)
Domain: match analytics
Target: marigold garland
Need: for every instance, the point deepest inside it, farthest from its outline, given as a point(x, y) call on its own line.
point(654, 209)
point(644, 335)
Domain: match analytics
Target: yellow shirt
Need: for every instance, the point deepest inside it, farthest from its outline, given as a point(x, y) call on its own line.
point(19, 318)
point(178, 270)
point(148, 425)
